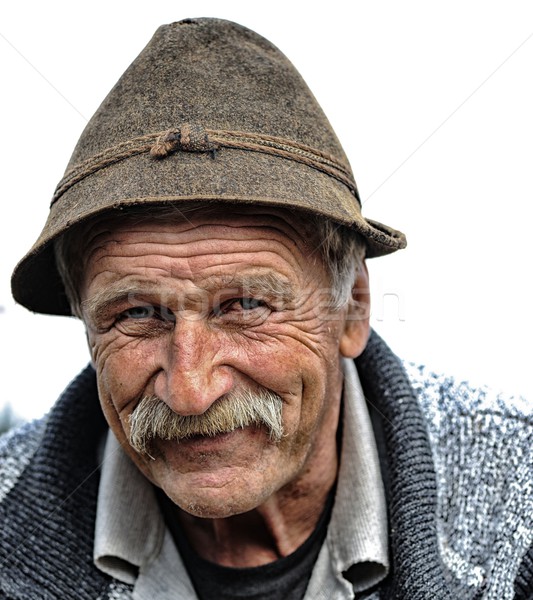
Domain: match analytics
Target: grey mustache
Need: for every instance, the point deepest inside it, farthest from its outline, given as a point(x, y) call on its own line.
point(153, 419)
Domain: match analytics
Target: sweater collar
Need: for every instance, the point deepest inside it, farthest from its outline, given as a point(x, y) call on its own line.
point(417, 569)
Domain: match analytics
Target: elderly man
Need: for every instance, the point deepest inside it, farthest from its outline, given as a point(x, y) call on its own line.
point(208, 233)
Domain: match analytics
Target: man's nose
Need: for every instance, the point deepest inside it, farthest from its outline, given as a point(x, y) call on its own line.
point(193, 375)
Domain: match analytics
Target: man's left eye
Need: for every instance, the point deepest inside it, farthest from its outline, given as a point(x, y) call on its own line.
point(238, 305)
point(249, 303)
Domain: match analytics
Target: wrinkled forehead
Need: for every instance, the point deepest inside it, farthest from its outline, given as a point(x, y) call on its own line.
point(260, 247)
point(276, 222)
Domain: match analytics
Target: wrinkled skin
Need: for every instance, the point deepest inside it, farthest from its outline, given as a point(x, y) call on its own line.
point(191, 310)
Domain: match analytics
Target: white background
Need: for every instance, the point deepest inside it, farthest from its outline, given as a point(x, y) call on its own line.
point(432, 102)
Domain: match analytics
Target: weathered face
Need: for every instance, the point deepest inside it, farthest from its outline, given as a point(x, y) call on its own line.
point(189, 312)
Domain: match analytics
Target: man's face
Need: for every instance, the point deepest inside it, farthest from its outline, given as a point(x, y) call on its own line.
point(193, 310)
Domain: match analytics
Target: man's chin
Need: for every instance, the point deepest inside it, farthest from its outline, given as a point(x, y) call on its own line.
point(215, 477)
point(218, 494)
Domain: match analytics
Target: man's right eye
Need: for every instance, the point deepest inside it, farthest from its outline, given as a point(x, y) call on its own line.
point(138, 312)
point(145, 321)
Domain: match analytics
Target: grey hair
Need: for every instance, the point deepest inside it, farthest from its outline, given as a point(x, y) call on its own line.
point(343, 253)
point(341, 249)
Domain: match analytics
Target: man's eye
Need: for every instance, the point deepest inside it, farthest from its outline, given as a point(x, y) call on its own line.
point(241, 304)
point(138, 312)
point(242, 308)
point(250, 303)
point(145, 321)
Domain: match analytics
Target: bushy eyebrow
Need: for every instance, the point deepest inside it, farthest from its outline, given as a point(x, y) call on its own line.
point(113, 294)
point(258, 284)
point(268, 285)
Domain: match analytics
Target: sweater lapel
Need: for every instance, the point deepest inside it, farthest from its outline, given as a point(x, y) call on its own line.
point(417, 572)
point(50, 512)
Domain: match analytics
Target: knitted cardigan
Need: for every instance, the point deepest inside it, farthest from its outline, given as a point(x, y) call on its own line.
point(456, 466)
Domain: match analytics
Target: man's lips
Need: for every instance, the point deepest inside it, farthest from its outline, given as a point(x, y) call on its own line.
point(204, 442)
point(219, 437)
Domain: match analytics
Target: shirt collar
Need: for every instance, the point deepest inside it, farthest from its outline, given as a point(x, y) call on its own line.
point(357, 532)
point(129, 529)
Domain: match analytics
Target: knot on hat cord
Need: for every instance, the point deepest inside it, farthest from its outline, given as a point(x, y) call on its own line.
point(190, 137)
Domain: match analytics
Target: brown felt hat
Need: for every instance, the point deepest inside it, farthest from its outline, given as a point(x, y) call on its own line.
point(209, 111)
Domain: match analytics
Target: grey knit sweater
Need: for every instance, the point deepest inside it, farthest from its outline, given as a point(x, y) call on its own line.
point(457, 466)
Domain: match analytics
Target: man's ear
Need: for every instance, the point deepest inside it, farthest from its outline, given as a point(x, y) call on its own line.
point(356, 325)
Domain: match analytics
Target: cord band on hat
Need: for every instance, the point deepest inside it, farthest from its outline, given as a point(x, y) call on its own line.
point(194, 138)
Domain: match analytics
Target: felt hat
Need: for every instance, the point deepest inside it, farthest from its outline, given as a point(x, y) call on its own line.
point(209, 111)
